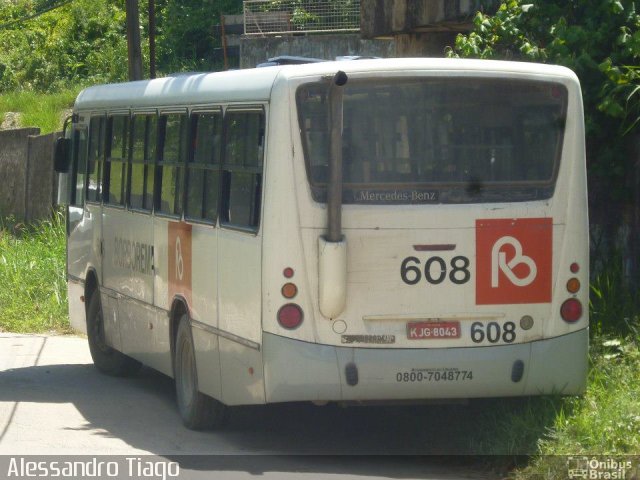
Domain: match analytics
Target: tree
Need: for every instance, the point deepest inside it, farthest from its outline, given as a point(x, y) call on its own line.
point(80, 43)
point(185, 36)
point(600, 41)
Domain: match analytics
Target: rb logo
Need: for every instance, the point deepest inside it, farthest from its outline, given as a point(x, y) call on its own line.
point(513, 259)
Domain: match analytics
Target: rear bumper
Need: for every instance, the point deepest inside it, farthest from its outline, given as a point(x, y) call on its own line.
point(300, 371)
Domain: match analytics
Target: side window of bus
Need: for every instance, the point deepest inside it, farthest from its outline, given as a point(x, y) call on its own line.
point(203, 169)
point(79, 146)
point(115, 168)
point(96, 156)
point(143, 156)
point(173, 130)
point(242, 168)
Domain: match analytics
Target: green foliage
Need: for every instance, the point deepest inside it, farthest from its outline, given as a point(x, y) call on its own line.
point(606, 421)
point(82, 42)
point(613, 304)
point(43, 110)
point(600, 41)
point(186, 37)
point(33, 297)
point(499, 36)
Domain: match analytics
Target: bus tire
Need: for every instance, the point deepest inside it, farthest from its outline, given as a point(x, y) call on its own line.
point(106, 359)
point(198, 411)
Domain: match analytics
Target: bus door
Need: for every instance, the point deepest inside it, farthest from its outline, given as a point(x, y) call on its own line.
point(78, 225)
point(76, 228)
point(240, 256)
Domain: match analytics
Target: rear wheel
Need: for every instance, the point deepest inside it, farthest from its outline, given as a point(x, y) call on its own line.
point(105, 358)
point(198, 411)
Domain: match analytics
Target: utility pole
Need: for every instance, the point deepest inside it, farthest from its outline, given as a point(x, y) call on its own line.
point(224, 42)
point(133, 40)
point(152, 39)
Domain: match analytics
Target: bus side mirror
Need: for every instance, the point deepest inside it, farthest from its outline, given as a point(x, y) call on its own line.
point(62, 157)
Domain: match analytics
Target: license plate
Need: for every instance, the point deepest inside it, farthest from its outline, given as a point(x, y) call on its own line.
point(433, 330)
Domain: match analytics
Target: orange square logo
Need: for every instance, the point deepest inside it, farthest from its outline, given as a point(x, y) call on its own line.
point(179, 250)
point(513, 261)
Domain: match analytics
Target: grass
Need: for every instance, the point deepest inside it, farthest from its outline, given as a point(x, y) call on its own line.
point(33, 297)
point(605, 422)
point(43, 110)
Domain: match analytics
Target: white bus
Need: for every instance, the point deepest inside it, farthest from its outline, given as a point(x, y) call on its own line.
point(372, 230)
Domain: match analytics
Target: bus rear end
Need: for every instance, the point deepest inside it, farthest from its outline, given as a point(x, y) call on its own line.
point(462, 269)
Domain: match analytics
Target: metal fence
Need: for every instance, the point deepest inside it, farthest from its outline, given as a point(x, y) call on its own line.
point(277, 17)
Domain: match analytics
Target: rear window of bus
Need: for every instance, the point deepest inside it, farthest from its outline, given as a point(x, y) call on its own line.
point(438, 139)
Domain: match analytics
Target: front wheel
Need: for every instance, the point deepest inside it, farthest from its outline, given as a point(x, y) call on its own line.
point(105, 358)
point(198, 411)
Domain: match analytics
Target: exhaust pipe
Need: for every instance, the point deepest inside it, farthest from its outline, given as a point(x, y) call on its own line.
point(332, 248)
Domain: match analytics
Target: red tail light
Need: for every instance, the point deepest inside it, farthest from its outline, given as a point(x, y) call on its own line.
point(288, 272)
point(571, 310)
point(290, 316)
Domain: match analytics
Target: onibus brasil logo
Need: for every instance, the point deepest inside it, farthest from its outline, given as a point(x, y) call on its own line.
point(600, 468)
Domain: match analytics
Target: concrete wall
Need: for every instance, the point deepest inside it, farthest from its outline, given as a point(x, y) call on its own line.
point(14, 149)
point(392, 17)
point(27, 180)
point(254, 50)
point(420, 28)
point(42, 181)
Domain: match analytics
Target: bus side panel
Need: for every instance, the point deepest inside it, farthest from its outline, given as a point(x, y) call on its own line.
point(94, 216)
point(109, 300)
point(81, 254)
point(204, 306)
point(207, 350)
point(128, 271)
point(77, 313)
point(242, 375)
point(283, 237)
point(80, 230)
point(300, 371)
point(240, 293)
point(162, 304)
point(570, 203)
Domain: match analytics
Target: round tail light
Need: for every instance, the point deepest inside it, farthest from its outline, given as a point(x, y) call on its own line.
point(571, 310)
point(290, 316)
point(289, 290)
point(573, 285)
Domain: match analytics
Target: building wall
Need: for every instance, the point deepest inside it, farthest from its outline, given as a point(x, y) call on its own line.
point(255, 50)
point(420, 28)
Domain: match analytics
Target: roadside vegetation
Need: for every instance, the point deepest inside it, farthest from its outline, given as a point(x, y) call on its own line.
point(33, 293)
point(43, 110)
point(536, 433)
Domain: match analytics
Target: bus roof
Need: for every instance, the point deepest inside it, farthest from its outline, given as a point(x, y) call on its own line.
point(255, 84)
